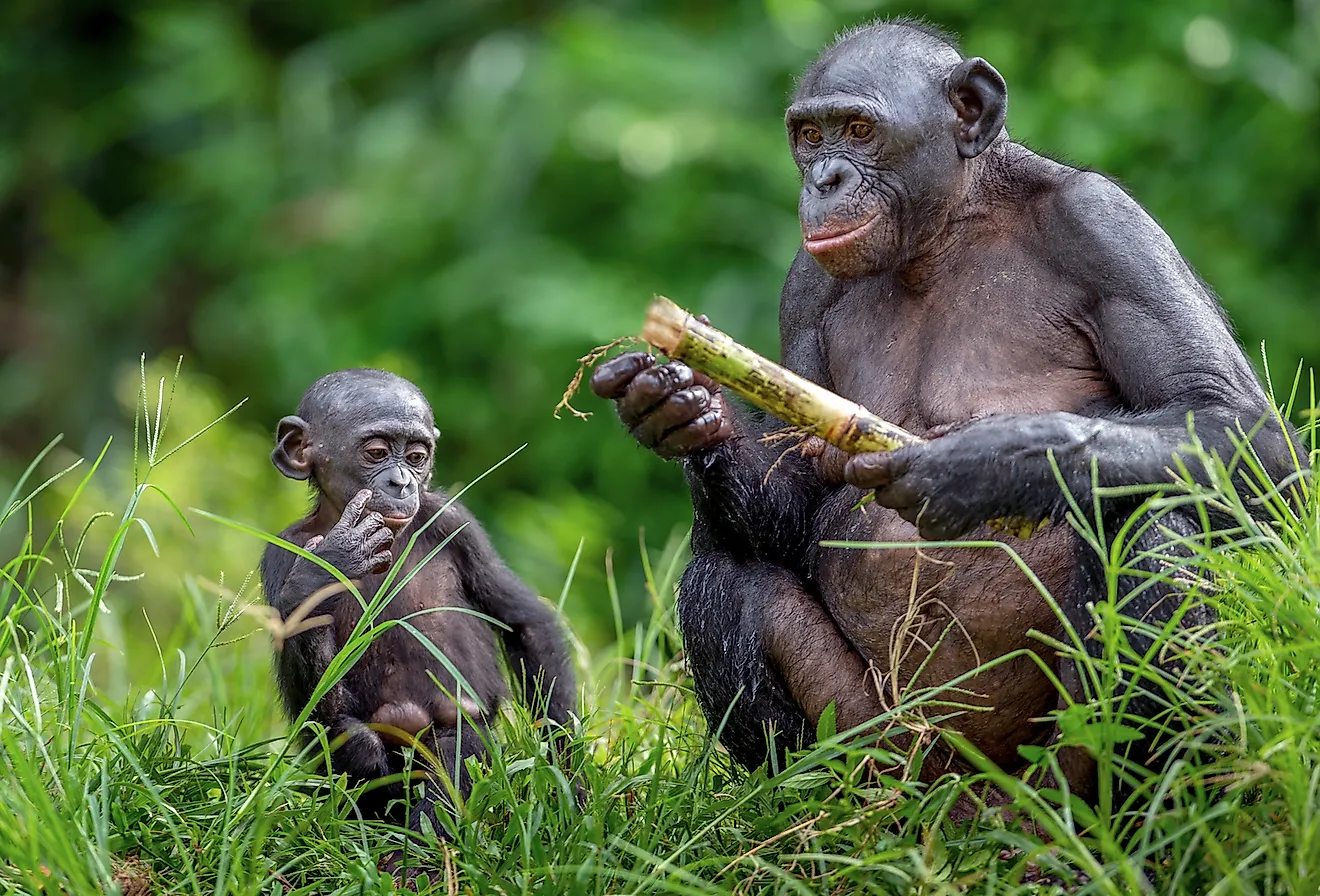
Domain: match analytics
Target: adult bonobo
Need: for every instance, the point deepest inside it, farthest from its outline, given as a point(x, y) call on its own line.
point(1005, 306)
point(365, 439)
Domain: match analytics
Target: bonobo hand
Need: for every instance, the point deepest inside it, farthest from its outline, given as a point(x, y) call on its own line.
point(357, 544)
point(669, 408)
point(945, 487)
point(830, 461)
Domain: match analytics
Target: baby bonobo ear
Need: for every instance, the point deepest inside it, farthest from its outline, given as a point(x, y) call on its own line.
point(979, 96)
point(292, 454)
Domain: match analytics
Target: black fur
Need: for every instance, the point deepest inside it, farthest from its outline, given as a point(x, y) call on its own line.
point(467, 576)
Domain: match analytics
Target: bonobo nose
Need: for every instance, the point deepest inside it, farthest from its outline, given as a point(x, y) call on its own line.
point(399, 478)
point(829, 174)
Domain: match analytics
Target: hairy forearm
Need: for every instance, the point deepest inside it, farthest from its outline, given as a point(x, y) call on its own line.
point(1149, 448)
point(752, 499)
point(305, 578)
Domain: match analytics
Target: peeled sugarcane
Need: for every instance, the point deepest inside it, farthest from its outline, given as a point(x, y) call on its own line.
point(844, 424)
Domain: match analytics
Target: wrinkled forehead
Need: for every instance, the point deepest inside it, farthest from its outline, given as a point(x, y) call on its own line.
point(892, 67)
point(381, 406)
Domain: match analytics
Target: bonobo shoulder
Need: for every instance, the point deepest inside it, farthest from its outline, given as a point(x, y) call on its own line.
point(1110, 232)
point(454, 520)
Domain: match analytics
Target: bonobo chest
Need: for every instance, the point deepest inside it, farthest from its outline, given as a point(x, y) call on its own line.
point(999, 337)
point(437, 617)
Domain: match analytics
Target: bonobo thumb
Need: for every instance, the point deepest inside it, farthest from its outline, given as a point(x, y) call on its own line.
point(876, 469)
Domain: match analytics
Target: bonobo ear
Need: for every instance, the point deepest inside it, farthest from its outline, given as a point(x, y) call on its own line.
point(980, 98)
point(292, 454)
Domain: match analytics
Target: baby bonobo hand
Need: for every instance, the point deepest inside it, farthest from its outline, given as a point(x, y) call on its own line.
point(358, 544)
point(669, 408)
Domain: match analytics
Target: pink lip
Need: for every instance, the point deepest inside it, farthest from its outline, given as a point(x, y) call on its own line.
point(828, 240)
point(397, 520)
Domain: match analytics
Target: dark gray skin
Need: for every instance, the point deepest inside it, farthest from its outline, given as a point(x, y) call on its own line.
point(365, 439)
point(999, 303)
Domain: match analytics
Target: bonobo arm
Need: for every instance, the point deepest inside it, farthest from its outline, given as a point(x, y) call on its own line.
point(1163, 344)
point(749, 498)
point(535, 640)
point(755, 499)
point(354, 548)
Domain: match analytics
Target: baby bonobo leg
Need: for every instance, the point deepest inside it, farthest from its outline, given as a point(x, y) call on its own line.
point(766, 658)
point(447, 744)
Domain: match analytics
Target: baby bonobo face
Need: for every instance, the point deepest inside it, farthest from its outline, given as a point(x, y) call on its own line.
point(373, 432)
point(384, 442)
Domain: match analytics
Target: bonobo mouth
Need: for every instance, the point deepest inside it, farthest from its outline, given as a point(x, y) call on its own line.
point(396, 521)
point(393, 516)
point(831, 239)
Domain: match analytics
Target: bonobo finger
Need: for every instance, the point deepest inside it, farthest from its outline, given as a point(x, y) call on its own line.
point(381, 562)
point(313, 543)
point(875, 469)
point(369, 524)
point(381, 538)
point(677, 410)
point(705, 382)
point(353, 509)
point(703, 432)
point(611, 379)
point(831, 463)
point(650, 387)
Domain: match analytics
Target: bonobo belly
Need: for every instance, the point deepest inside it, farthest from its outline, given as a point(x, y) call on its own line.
point(950, 609)
point(402, 675)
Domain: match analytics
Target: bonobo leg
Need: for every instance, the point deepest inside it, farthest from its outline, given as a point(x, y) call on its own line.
point(767, 658)
point(451, 747)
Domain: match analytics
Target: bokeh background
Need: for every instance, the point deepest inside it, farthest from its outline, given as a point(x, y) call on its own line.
point(474, 194)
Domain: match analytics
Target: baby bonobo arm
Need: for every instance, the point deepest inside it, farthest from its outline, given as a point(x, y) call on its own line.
point(535, 641)
point(356, 545)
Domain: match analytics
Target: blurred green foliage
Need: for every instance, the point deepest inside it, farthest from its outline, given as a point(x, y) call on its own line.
point(476, 193)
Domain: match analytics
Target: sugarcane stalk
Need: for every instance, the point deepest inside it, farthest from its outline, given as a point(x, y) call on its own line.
point(844, 424)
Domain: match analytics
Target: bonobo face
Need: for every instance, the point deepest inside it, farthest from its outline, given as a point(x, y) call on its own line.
point(364, 429)
point(881, 127)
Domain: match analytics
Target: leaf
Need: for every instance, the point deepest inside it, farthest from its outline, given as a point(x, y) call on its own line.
point(825, 727)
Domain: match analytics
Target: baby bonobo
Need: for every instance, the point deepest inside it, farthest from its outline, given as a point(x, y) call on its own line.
point(365, 439)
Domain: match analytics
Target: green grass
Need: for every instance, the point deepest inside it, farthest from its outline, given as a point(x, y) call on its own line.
point(184, 782)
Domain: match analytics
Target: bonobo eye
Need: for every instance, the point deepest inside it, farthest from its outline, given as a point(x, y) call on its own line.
point(376, 451)
point(860, 130)
point(809, 133)
point(417, 456)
